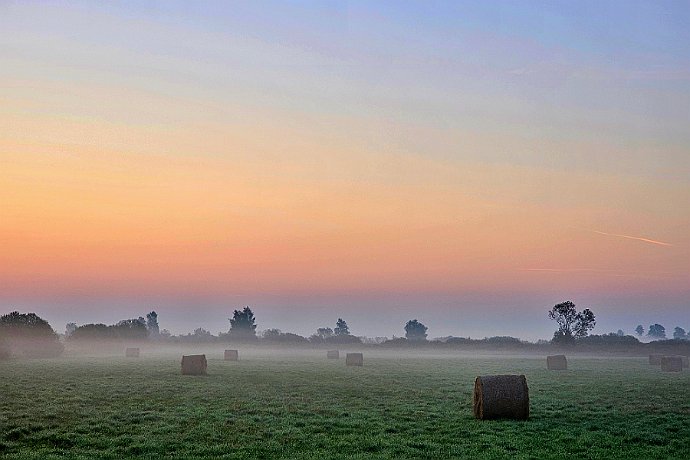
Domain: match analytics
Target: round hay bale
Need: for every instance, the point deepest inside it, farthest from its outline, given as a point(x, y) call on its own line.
point(501, 396)
point(671, 364)
point(132, 353)
point(231, 355)
point(556, 363)
point(194, 365)
point(354, 359)
point(333, 354)
point(655, 359)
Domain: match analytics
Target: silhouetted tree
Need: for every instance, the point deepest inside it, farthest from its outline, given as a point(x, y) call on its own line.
point(277, 336)
point(242, 325)
point(271, 334)
point(414, 330)
point(324, 332)
point(30, 335)
point(657, 331)
point(571, 323)
point(152, 325)
point(620, 333)
point(131, 329)
point(679, 333)
point(70, 328)
point(93, 332)
point(341, 328)
point(639, 330)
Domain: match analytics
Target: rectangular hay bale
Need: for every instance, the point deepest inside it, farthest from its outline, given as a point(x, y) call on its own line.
point(556, 363)
point(333, 354)
point(132, 352)
point(685, 360)
point(354, 359)
point(655, 359)
point(231, 355)
point(671, 364)
point(194, 365)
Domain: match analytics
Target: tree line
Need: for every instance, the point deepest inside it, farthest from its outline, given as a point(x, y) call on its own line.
point(35, 334)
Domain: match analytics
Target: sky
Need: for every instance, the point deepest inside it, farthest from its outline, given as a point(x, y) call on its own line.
point(468, 164)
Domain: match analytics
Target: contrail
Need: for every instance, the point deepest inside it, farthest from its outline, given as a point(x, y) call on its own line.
point(646, 240)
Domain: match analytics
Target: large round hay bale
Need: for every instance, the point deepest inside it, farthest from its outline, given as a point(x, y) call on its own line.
point(501, 396)
point(194, 365)
point(671, 364)
point(655, 359)
point(132, 352)
point(556, 363)
point(231, 355)
point(333, 354)
point(354, 359)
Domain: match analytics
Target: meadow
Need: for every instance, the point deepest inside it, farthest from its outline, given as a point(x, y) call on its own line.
point(281, 404)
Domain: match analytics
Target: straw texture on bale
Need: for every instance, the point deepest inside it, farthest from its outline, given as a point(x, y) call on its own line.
point(655, 359)
point(671, 364)
point(333, 354)
point(231, 355)
point(132, 352)
point(556, 363)
point(354, 359)
point(501, 396)
point(194, 365)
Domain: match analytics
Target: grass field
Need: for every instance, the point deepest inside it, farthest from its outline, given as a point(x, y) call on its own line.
point(272, 405)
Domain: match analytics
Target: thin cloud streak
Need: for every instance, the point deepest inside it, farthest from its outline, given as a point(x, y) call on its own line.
point(646, 240)
point(655, 275)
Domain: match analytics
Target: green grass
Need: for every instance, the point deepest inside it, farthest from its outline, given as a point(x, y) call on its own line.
point(304, 406)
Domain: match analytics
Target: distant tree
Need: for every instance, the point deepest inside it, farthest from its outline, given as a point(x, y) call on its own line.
point(679, 333)
point(165, 334)
point(131, 329)
point(639, 330)
point(242, 325)
point(414, 330)
point(324, 332)
point(271, 334)
point(277, 336)
point(201, 333)
point(657, 331)
point(93, 332)
point(152, 325)
point(620, 333)
point(572, 324)
point(17, 324)
point(341, 328)
point(70, 328)
point(30, 335)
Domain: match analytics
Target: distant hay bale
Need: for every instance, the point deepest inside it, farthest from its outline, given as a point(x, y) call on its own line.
point(231, 355)
point(501, 396)
point(685, 360)
point(655, 359)
point(132, 352)
point(194, 365)
point(556, 363)
point(671, 364)
point(333, 354)
point(4, 350)
point(354, 359)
